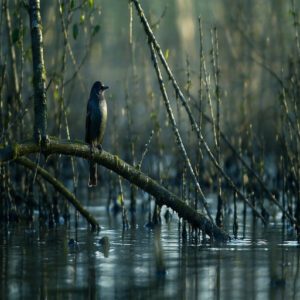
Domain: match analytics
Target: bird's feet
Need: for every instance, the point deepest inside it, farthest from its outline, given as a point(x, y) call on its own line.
point(99, 146)
point(93, 147)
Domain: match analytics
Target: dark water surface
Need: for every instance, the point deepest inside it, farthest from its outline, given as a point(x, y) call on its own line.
point(39, 263)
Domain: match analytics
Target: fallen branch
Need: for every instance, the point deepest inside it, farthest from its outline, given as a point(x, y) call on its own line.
point(135, 176)
point(61, 188)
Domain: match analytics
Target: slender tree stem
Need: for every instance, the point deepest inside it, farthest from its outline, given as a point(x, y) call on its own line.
point(176, 131)
point(39, 72)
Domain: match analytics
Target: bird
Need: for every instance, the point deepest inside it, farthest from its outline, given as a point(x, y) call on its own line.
point(95, 124)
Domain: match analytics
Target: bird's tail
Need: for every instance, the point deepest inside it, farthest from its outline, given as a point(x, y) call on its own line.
point(93, 174)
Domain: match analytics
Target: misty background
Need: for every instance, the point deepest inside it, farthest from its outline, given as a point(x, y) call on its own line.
point(256, 41)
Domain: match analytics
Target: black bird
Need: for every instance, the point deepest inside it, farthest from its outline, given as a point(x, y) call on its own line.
point(95, 124)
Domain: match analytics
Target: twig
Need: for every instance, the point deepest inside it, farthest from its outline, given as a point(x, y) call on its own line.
point(63, 107)
point(176, 131)
point(139, 166)
point(124, 210)
point(216, 70)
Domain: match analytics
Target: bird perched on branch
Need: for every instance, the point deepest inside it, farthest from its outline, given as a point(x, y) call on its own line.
point(96, 118)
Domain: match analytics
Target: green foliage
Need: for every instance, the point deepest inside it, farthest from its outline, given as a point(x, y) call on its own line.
point(96, 29)
point(56, 94)
point(75, 31)
point(15, 35)
point(167, 53)
point(91, 3)
point(292, 13)
point(82, 18)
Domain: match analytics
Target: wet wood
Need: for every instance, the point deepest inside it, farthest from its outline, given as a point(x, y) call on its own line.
point(60, 188)
point(133, 175)
point(39, 71)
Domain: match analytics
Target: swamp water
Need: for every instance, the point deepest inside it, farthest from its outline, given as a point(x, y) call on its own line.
point(40, 263)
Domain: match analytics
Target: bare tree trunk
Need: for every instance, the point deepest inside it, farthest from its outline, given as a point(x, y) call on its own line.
point(39, 72)
point(12, 51)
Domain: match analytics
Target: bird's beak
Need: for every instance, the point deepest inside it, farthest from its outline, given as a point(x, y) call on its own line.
point(105, 87)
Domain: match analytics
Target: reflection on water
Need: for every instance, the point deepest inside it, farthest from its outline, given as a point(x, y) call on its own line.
point(145, 264)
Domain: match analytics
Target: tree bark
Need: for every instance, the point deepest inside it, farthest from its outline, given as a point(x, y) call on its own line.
point(114, 163)
point(12, 51)
point(39, 72)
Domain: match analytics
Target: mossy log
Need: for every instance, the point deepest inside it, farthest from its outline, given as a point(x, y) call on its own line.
point(135, 176)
